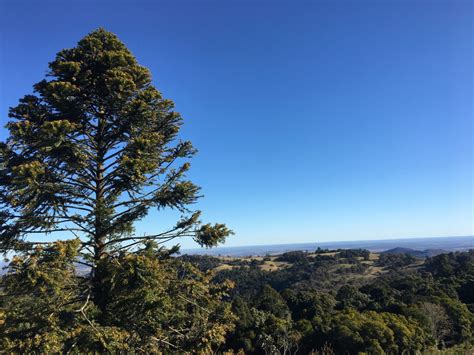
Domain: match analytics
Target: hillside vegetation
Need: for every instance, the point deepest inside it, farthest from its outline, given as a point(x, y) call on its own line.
point(348, 301)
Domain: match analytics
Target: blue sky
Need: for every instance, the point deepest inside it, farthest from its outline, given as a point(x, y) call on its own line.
point(314, 120)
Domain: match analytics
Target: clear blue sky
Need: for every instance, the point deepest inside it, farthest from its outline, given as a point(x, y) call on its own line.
point(314, 120)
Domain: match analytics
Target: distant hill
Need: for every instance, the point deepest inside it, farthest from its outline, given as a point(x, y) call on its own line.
point(447, 244)
point(415, 253)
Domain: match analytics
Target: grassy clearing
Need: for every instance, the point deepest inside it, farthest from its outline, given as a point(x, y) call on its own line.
point(274, 265)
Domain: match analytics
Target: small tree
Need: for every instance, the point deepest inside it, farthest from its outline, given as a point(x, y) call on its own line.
point(436, 320)
point(91, 153)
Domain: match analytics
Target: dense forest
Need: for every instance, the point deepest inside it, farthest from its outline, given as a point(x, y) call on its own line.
point(322, 302)
point(348, 301)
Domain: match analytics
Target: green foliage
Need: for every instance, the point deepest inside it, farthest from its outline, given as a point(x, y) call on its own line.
point(264, 326)
point(432, 317)
point(40, 301)
point(395, 260)
point(354, 253)
point(461, 318)
point(349, 296)
point(308, 304)
point(155, 303)
point(374, 332)
point(269, 300)
point(458, 265)
point(293, 257)
point(152, 305)
point(402, 310)
point(92, 151)
point(244, 335)
point(202, 262)
point(175, 302)
point(88, 154)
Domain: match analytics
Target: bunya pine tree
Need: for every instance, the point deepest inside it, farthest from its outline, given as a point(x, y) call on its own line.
point(89, 153)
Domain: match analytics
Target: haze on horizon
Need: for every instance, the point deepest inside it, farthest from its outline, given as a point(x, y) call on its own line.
point(314, 121)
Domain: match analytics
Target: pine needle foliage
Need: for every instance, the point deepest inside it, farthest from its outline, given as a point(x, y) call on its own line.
point(92, 151)
point(89, 153)
point(154, 304)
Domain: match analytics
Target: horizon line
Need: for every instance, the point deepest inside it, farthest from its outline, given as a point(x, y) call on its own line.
point(329, 242)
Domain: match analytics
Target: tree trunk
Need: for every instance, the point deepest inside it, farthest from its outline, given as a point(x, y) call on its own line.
point(98, 273)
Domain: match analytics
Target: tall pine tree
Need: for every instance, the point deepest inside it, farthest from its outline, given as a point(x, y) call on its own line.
point(91, 152)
